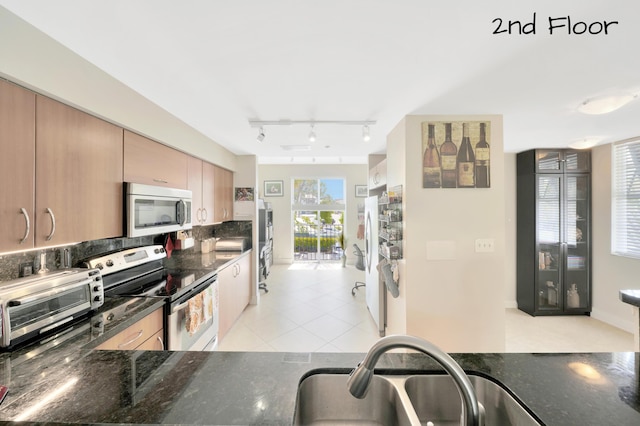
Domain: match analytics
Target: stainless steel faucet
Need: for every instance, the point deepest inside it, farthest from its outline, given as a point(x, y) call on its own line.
point(358, 383)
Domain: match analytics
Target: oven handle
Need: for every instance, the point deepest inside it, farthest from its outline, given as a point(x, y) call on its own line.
point(45, 294)
point(199, 290)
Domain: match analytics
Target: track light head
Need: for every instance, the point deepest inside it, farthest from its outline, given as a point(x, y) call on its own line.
point(365, 133)
point(260, 137)
point(312, 135)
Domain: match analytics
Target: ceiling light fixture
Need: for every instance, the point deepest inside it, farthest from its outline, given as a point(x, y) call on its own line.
point(605, 104)
point(312, 135)
point(365, 133)
point(260, 137)
point(585, 143)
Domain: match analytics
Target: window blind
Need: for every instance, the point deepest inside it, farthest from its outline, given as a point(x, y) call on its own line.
point(626, 199)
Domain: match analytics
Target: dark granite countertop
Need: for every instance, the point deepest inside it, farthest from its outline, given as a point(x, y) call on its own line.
point(631, 297)
point(201, 264)
point(65, 381)
point(241, 388)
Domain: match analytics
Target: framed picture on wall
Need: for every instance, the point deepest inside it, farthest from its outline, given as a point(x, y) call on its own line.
point(362, 191)
point(273, 188)
point(243, 194)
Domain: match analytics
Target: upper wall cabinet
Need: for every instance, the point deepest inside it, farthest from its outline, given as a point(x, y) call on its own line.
point(558, 161)
point(151, 163)
point(223, 190)
point(17, 145)
point(201, 184)
point(78, 192)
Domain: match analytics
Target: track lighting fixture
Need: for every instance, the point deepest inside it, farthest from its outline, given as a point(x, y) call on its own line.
point(365, 133)
point(312, 135)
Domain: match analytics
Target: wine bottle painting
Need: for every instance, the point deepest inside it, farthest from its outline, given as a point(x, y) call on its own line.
point(456, 154)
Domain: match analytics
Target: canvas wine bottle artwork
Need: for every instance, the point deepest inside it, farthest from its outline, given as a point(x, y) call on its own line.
point(456, 154)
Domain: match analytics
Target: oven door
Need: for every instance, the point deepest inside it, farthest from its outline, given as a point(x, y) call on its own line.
point(192, 320)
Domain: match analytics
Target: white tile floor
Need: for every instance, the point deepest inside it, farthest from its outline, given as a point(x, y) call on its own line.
point(309, 308)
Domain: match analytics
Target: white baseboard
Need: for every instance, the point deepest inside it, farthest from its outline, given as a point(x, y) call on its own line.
point(510, 304)
point(626, 325)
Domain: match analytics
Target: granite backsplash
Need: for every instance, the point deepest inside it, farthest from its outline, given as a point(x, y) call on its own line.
point(11, 265)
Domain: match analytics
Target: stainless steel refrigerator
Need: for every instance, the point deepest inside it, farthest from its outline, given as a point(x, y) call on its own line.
point(375, 290)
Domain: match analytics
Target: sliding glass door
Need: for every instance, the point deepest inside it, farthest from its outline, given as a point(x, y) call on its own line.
point(318, 219)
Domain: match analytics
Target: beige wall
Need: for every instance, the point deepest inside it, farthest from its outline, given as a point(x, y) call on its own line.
point(457, 303)
point(354, 174)
point(610, 273)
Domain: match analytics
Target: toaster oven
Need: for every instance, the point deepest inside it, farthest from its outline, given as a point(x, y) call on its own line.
point(33, 306)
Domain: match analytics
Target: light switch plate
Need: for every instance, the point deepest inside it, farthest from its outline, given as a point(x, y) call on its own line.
point(485, 245)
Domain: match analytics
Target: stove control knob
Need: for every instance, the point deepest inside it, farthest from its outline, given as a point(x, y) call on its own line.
point(99, 266)
point(97, 299)
point(109, 263)
point(97, 288)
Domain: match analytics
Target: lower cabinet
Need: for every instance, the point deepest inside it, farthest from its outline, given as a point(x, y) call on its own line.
point(234, 287)
point(146, 334)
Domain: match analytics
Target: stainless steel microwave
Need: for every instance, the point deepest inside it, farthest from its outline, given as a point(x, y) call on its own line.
point(156, 210)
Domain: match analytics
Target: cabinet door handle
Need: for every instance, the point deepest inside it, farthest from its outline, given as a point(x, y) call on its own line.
point(161, 343)
point(160, 181)
point(53, 224)
point(27, 223)
point(198, 215)
point(206, 215)
point(122, 345)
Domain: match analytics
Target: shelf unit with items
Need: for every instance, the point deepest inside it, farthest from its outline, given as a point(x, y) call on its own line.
point(554, 232)
point(390, 224)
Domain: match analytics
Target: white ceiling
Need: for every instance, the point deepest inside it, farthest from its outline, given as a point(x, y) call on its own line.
point(218, 64)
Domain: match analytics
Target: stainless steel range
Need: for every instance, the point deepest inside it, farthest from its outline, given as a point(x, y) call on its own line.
point(191, 309)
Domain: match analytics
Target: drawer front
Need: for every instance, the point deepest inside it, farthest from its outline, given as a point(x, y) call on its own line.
point(135, 335)
point(153, 343)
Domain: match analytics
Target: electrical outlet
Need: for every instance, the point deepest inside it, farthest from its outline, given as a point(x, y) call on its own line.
point(26, 269)
point(485, 245)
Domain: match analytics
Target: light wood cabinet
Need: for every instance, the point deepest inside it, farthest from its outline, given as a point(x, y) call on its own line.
point(201, 184)
point(234, 290)
point(78, 162)
point(17, 174)
point(145, 334)
point(223, 191)
point(153, 343)
point(151, 163)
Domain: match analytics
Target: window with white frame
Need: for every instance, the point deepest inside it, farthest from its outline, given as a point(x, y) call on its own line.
point(625, 240)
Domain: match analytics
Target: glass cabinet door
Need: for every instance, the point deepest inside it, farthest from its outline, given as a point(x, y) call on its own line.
point(577, 161)
point(576, 280)
point(548, 230)
point(562, 161)
point(548, 161)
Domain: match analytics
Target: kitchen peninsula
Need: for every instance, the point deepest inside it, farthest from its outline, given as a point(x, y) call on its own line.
point(72, 383)
point(66, 379)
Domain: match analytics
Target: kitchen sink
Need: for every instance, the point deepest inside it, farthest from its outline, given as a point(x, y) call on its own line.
point(323, 398)
point(435, 398)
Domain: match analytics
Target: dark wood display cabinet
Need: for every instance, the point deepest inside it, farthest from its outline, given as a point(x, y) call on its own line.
point(554, 232)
